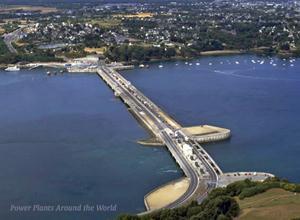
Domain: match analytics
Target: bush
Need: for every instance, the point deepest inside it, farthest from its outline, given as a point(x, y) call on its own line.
point(247, 192)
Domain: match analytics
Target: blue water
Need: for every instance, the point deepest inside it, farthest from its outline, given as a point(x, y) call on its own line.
point(66, 140)
point(258, 102)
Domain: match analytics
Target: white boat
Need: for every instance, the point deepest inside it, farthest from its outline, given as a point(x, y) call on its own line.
point(210, 64)
point(160, 66)
point(262, 62)
point(237, 62)
point(197, 64)
point(12, 69)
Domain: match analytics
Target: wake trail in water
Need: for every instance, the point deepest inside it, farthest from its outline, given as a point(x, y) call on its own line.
point(170, 171)
point(253, 77)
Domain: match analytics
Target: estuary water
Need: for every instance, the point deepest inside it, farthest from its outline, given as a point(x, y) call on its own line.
point(66, 140)
point(257, 98)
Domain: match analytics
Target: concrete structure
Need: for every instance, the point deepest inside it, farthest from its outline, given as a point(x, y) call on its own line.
point(206, 133)
point(201, 170)
point(227, 178)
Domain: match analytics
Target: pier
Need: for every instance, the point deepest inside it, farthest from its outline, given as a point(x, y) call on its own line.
point(200, 169)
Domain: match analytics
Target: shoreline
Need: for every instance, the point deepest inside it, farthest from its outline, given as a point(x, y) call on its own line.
point(252, 51)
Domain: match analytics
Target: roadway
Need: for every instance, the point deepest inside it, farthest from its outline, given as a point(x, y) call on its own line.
point(143, 106)
point(12, 37)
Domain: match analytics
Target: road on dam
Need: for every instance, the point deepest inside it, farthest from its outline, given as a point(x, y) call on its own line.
point(201, 170)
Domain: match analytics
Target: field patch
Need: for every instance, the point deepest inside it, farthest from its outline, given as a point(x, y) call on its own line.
point(273, 204)
point(13, 8)
point(138, 15)
point(105, 23)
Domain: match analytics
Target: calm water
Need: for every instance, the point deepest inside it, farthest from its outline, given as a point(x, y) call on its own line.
point(67, 140)
point(258, 102)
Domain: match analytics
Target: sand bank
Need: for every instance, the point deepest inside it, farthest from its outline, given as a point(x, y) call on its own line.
point(166, 194)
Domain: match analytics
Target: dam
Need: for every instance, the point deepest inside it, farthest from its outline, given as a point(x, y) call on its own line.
point(202, 172)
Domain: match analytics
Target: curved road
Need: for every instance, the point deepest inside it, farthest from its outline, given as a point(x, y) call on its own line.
point(137, 101)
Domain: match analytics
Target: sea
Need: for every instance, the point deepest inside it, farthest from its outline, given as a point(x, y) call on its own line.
point(68, 146)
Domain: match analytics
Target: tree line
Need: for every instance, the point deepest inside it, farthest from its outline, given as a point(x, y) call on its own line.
point(220, 203)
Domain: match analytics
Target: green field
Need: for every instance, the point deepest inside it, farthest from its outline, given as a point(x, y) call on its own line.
point(273, 204)
point(105, 23)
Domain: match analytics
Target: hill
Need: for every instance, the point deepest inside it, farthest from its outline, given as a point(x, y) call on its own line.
point(273, 204)
point(272, 199)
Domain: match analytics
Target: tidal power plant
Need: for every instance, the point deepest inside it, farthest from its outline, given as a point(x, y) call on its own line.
point(202, 171)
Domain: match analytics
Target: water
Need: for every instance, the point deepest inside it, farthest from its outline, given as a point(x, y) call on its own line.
point(258, 102)
point(66, 140)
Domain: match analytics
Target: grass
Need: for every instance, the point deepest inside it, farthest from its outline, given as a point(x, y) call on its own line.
point(41, 9)
point(272, 204)
point(138, 15)
point(99, 50)
point(2, 30)
point(106, 23)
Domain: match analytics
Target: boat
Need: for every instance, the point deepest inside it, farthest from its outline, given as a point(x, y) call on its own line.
point(48, 73)
point(12, 69)
point(197, 64)
point(237, 62)
point(160, 66)
point(141, 66)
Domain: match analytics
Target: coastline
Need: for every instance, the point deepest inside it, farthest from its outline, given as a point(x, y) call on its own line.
point(255, 51)
point(221, 52)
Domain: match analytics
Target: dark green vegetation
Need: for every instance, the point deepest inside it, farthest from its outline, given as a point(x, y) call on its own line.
point(220, 203)
point(3, 48)
point(138, 53)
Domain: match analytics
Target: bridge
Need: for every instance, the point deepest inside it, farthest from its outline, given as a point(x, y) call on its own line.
point(196, 163)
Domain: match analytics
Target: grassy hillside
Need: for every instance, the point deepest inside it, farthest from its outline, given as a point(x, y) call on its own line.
point(273, 204)
point(272, 199)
